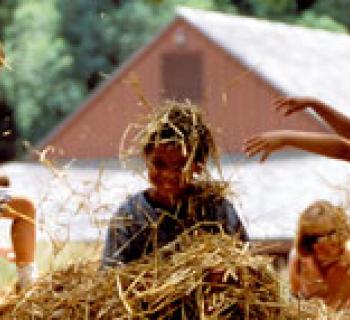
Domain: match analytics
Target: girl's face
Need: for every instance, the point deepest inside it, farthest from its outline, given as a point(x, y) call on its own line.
point(165, 164)
point(327, 250)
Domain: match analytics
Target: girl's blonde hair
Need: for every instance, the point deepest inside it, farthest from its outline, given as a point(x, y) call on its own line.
point(322, 219)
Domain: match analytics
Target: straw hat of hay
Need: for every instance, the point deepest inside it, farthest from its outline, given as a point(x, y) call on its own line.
point(322, 218)
point(181, 124)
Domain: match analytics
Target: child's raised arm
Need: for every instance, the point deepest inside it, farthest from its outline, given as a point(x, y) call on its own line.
point(339, 122)
point(329, 145)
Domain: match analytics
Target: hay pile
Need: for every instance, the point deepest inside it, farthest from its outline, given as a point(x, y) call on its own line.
point(177, 281)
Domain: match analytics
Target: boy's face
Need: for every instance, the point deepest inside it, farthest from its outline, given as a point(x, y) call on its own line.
point(165, 164)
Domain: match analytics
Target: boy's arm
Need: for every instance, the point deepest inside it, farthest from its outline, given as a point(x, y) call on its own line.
point(339, 122)
point(329, 145)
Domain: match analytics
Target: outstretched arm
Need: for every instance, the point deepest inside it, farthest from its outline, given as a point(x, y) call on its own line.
point(339, 122)
point(329, 145)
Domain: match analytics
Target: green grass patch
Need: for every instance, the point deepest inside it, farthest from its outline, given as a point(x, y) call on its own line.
point(52, 257)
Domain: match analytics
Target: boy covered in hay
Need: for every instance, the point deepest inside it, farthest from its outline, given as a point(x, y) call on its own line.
point(22, 212)
point(175, 144)
point(320, 262)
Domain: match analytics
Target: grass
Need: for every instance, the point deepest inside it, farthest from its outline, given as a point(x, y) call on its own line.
point(47, 261)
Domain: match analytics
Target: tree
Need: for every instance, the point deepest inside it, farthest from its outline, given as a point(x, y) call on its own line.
point(337, 10)
point(310, 13)
point(311, 19)
point(40, 86)
point(92, 38)
point(7, 8)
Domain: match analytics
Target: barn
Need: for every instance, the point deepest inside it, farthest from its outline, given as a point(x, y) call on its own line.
point(233, 66)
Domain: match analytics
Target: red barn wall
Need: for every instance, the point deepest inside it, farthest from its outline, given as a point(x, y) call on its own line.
point(237, 102)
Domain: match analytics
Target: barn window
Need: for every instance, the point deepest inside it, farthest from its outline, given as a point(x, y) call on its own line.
point(182, 76)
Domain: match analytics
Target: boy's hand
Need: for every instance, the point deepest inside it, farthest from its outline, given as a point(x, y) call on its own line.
point(291, 105)
point(266, 143)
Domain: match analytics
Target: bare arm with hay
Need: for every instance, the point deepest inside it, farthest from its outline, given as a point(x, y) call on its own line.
point(336, 146)
point(339, 122)
point(329, 145)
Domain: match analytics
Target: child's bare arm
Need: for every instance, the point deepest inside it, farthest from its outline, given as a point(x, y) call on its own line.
point(329, 145)
point(339, 122)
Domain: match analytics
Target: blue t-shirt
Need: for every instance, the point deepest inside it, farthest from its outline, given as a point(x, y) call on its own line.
point(130, 233)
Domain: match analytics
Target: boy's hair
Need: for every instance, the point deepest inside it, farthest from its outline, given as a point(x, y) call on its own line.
point(180, 124)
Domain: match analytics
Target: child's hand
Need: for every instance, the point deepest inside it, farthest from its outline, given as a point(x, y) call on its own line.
point(266, 143)
point(291, 105)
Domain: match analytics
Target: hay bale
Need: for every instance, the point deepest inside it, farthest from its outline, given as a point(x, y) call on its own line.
point(176, 281)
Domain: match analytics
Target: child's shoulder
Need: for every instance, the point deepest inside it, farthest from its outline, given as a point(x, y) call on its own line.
point(135, 206)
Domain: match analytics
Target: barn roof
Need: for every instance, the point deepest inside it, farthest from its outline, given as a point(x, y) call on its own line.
point(296, 60)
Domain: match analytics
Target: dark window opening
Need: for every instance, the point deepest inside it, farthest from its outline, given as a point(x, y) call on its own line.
point(182, 75)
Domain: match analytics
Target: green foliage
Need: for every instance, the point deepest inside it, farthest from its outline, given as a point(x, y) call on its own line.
point(137, 22)
point(134, 24)
point(7, 8)
point(224, 6)
point(40, 86)
point(337, 10)
point(323, 15)
point(86, 26)
point(312, 20)
point(270, 9)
